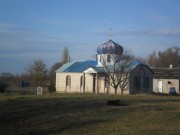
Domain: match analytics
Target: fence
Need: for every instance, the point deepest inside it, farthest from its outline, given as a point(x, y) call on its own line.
point(27, 90)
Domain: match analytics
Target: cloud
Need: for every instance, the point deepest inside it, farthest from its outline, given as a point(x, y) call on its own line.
point(151, 33)
point(167, 32)
point(17, 37)
point(161, 18)
point(164, 32)
point(19, 43)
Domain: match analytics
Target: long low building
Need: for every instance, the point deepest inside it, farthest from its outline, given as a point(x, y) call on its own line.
point(166, 78)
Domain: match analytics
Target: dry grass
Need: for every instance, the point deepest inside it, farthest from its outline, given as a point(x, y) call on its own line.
point(89, 115)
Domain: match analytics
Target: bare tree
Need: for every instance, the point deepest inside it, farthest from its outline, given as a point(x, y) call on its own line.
point(118, 70)
point(165, 58)
point(6, 80)
point(65, 59)
point(65, 56)
point(37, 72)
point(141, 59)
point(152, 60)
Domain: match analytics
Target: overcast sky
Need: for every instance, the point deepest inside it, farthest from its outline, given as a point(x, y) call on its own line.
point(40, 29)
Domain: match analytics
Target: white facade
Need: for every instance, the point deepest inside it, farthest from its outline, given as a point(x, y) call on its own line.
point(78, 85)
point(163, 85)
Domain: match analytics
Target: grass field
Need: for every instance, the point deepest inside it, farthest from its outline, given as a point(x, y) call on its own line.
point(78, 114)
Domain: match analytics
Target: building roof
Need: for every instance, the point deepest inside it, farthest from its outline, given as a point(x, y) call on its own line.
point(77, 66)
point(166, 73)
point(81, 66)
point(127, 65)
point(110, 47)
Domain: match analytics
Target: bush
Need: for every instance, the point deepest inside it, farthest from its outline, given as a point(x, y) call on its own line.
point(3, 87)
point(51, 88)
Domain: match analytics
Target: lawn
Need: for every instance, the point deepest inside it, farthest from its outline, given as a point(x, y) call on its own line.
point(78, 114)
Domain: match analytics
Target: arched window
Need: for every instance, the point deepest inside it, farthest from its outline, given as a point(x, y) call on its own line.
point(142, 79)
point(108, 58)
point(68, 81)
point(81, 81)
point(147, 83)
point(135, 83)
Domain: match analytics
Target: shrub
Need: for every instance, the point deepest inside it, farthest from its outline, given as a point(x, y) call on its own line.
point(51, 88)
point(3, 86)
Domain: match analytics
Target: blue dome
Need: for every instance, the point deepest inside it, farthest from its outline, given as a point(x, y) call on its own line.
point(110, 47)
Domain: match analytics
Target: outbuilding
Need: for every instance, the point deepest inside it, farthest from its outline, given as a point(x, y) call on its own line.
point(166, 78)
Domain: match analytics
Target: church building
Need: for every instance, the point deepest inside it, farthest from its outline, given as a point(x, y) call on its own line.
point(96, 76)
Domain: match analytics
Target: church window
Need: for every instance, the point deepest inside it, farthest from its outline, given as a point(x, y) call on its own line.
point(135, 83)
point(142, 79)
point(147, 83)
point(108, 58)
point(68, 80)
point(81, 81)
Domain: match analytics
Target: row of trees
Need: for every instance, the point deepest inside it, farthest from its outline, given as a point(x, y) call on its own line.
point(165, 58)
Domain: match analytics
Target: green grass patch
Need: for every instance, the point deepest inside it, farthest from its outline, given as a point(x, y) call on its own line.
point(88, 114)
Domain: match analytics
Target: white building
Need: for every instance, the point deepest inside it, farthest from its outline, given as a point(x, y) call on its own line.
point(166, 78)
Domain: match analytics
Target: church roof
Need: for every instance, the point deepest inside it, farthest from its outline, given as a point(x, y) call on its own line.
point(76, 66)
point(127, 65)
point(110, 47)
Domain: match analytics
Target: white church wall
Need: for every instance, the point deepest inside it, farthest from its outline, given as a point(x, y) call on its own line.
point(88, 83)
point(75, 82)
point(60, 82)
point(101, 85)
